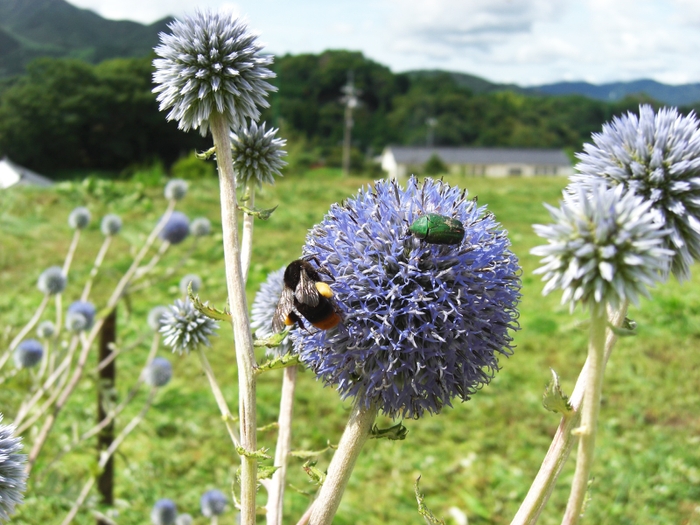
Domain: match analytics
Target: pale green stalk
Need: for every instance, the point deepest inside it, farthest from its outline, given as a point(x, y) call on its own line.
point(96, 267)
point(25, 330)
point(247, 240)
point(339, 471)
point(71, 252)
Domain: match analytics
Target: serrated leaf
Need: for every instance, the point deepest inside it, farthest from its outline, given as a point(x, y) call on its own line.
point(627, 329)
point(257, 454)
point(423, 510)
point(205, 155)
point(396, 433)
point(278, 363)
point(317, 475)
point(266, 472)
point(271, 426)
point(205, 309)
point(273, 341)
point(554, 399)
point(258, 213)
point(306, 454)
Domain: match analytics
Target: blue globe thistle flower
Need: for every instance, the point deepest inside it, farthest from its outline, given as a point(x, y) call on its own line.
point(156, 317)
point(264, 306)
point(45, 330)
point(13, 479)
point(210, 64)
point(164, 512)
point(76, 322)
point(658, 157)
point(606, 246)
point(52, 281)
point(257, 154)
point(175, 189)
point(184, 328)
point(213, 503)
point(184, 519)
point(79, 218)
point(28, 353)
point(158, 373)
point(196, 281)
point(422, 323)
point(81, 308)
point(200, 227)
point(176, 229)
point(111, 225)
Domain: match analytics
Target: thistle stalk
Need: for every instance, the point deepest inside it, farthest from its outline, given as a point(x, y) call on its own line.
point(247, 241)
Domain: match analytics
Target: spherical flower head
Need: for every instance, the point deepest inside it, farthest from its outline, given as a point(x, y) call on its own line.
point(111, 225)
point(200, 227)
point(658, 157)
point(184, 519)
point(76, 322)
point(184, 328)
point(83, 308)
point(45, 330)
point(257, 154)
point(13, 480)
point(164, 512)
point(79, 218)
point(158, 373)
point(211, 64)
point(195, 280)
point(423, 323)
point(156, 317)
point(213, 503)
point(176, 229)
point(52, 281)
point(175, 189)
point(28, 353)
point(264, 306)
point(606, 246)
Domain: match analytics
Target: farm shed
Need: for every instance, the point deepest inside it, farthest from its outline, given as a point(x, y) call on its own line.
point(12, 174)
point(400, 161)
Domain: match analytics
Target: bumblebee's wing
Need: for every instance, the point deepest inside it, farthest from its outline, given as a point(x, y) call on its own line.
point(306, 291)
point(284, 306)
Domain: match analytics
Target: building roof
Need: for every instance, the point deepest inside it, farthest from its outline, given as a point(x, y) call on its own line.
point(468, 155)
point(11, 174)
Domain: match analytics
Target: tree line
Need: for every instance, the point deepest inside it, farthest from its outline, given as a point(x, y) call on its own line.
point(64, 115)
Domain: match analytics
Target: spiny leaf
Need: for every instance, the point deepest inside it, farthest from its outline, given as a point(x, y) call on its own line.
point(317, 476)
point(284, 361)
point(627, 329)
point(205, 309)
point(257, 454)
point(554, 399)
point(273, 341)
point(272, 426)
point(395, 433)
point(205, 155)
point(266, 472)
point(258, 213)
point(423, 510)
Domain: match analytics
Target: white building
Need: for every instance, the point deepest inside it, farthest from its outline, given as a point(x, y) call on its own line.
point(12, 174)
point(400, 161)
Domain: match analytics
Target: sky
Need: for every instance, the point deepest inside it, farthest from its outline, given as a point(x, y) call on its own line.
point(525, 42)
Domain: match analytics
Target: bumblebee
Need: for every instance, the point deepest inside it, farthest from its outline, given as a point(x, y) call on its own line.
point(305, 295)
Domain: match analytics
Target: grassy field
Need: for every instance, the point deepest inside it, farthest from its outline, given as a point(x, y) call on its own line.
point(478, 457)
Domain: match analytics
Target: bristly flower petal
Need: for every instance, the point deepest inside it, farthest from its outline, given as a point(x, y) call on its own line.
point(13, 479)
point(422, 323)
point(184, 327)
point(257, 154)
point(211, 64)
point(658, 157)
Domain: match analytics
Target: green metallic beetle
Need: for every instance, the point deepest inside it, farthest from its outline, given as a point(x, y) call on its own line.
point(437, 229)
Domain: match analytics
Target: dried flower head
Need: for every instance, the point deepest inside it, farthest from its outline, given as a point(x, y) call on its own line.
point(176, 229)
point(84, 309)
point(156, 317)
point(184, 328)
point(13, 479)
point(257, 154)
point(79, 218)
point(158, 373)
point(164, 512)
point(176, 189)
point(45, 330)
point(52, 281)
point(606, 246)
point(28, 353)
point(264, 306)
point(658, 157)
point(111, 225)
point(200, 227)
point(211, 64)
point(213, 503)
point(422, 322)
point(196, 281)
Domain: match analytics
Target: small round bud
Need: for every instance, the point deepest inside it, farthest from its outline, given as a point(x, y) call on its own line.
point(164, 512)
point(52, 281)
point(84, 308)
point(213, 503)
point(175, 189)
point(45, 330)
point(185, 327)
point(158, 373)
point(155, 317)
point(190, 278)
point(79, 218)
point(200, 227)
point(176, 229)
point(28, 353)
point(111, 224)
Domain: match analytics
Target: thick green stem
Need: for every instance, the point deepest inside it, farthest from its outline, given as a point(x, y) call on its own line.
point(239, 312)
point(339, 471)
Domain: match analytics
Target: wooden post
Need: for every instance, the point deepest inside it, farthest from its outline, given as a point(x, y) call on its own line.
point(105, 398)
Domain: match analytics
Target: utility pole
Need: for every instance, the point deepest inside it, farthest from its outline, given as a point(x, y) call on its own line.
point(351, 101)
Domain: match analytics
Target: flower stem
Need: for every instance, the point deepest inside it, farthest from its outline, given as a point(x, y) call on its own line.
point(25, 330)
point(96, 267)
point(247, 241)
point(71, 252)
point(239, 310)
point(589, 415)
point(275, 501)
point(355, 435)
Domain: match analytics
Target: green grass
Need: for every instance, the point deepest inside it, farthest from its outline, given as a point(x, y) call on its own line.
point(479, 456)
